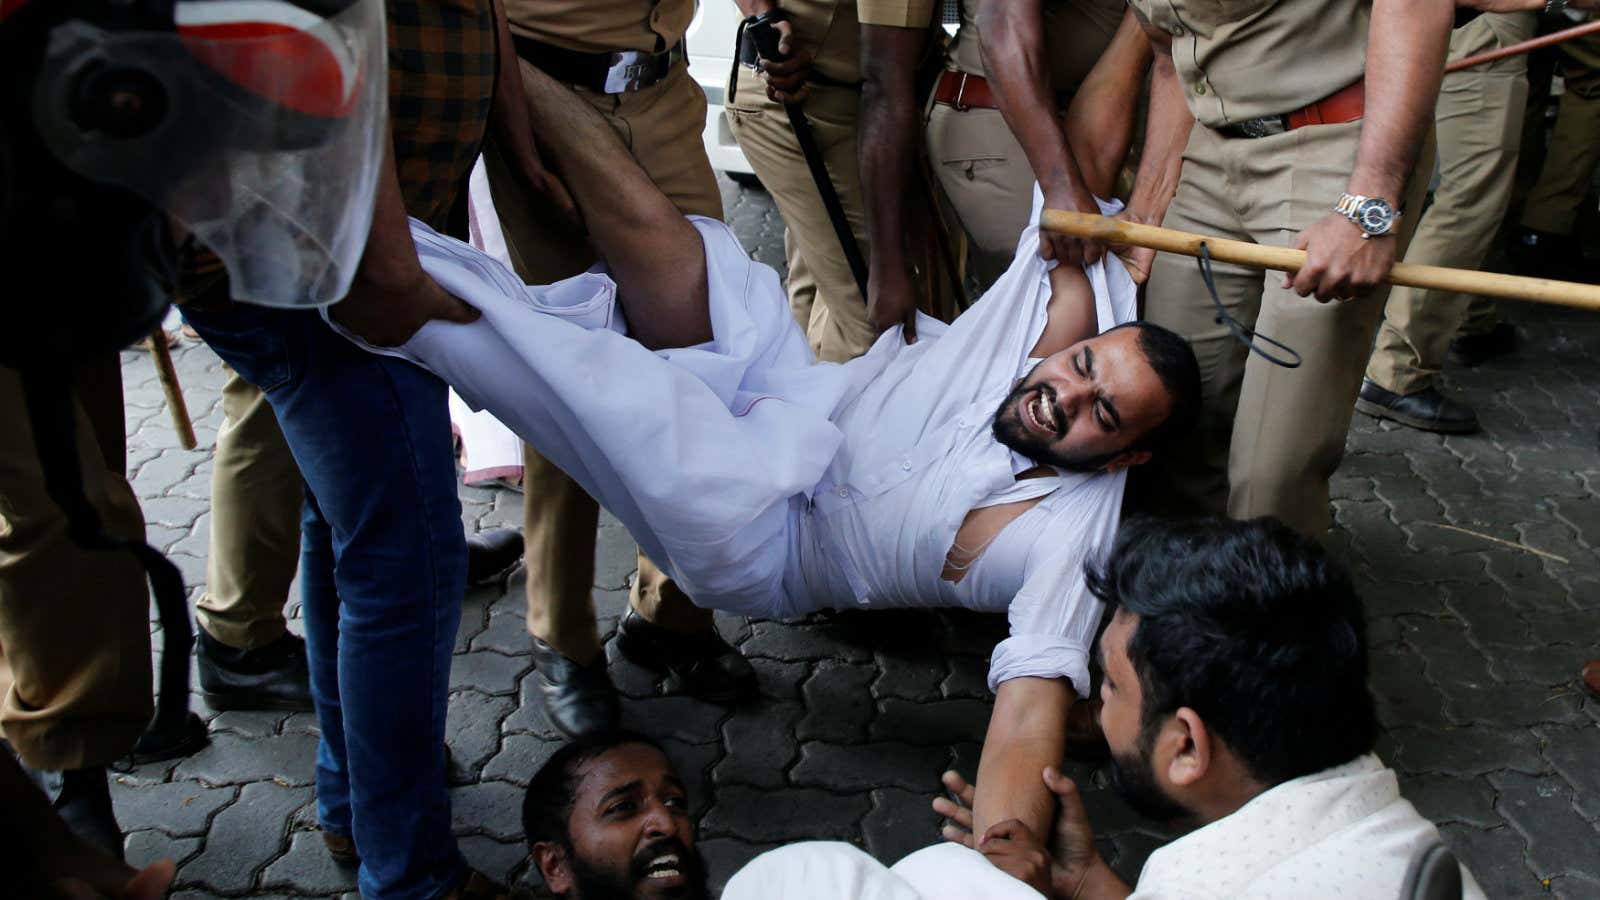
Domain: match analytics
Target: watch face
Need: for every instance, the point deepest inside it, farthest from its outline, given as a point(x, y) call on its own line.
point(1375, 217)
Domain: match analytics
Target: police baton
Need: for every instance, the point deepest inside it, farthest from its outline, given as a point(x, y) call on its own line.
point(764, 33)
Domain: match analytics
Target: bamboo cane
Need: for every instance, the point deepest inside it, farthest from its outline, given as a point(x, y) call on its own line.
point(1284, 259)
point(1528, 46)
point(168, 373)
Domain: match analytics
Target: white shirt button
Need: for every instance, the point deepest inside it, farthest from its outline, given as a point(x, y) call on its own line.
point(844, 492)
point(961, 423)
point(906, 466)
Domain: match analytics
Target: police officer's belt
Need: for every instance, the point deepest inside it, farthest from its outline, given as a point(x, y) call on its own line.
point(1345, 105)
point(963, 90)
point(616, 72)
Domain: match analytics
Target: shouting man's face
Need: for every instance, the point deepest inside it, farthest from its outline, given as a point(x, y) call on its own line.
point(1084, 407)
point(630, 833)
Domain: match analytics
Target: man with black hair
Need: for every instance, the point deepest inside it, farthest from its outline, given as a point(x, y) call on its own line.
point(1235, 697)
point(607, 817)
point(916, 475)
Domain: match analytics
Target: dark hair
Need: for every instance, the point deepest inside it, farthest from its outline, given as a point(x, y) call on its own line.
point(1174, 363)
point(1254, 627)
point(548, 802)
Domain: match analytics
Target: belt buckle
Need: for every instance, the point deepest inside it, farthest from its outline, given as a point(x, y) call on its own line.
point(1265, 126)
point(629, 69)
point(961, 93)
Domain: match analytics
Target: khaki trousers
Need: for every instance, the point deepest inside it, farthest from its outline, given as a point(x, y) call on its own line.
point(661, 127)
point(822, 290)
point(1575, 144)
point(256, 496)
point(1479, 124)
point(1268, 437)
point(74, 624)
point(987, 179)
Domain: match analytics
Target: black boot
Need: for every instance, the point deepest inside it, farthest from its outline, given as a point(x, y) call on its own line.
point(492, 553)
point(700, 665)
point(273, 677)
point(1425, 410)
point(576, 699)
point(83, 800)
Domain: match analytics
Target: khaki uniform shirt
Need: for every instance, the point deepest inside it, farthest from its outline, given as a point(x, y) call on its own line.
point(599, 26)
point(1242, 59)
point(1075, 32)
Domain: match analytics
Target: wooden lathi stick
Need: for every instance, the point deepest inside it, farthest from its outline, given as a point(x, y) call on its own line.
point(168, 373)
point(1554, 37)
point(1284, 259)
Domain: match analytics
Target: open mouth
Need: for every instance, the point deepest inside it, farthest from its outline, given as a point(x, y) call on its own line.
point(664, 869)
point(1040, 413)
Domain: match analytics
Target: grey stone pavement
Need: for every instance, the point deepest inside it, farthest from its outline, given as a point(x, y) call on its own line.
point(1476, 640)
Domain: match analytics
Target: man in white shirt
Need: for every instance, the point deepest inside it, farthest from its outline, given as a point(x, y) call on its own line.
point(978, 467)
point(1236, 698)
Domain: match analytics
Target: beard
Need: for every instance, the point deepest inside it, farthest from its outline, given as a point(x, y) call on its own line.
point(1135, 782)
point(1012, 434)
point(596, 883)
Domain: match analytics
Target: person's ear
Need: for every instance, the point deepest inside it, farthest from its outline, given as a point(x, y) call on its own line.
point(553, 865)
point(1127, 459)
point(1192, 760)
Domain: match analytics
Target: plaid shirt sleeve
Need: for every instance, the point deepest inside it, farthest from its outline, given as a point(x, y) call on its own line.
point(442, 64)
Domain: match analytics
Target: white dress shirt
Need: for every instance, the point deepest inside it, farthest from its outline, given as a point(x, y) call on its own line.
point(1344, 833)
point(832, 870)
point(770, 485)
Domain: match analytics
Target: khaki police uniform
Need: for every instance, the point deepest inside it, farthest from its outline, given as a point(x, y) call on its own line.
point(661, 126)
point(74, 623)
point(1479, 125)
point(979, 163)
point(1268, 437)
point(1574, 150)
point(822, 290)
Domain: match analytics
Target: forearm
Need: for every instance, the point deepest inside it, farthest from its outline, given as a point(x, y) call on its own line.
point(886, 142)
point(389, 261)
point(509, 127)
point(1027, 732)
point(1167, 128)
point(1012, 38)
point(1099, 123)
point(1406, 49)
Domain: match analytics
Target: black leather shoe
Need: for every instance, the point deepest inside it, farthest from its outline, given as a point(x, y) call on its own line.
point(83, 800)
point(271, 677)
point(492, 553)
point(1475, 349)
point(1426, 410)
point(1544, 254)
point(700, 665)
point(158, 743)
point(576, 699)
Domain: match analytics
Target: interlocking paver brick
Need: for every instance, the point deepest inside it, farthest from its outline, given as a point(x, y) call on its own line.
point(677, 717)
point(779, 680)
point(487, 671)
point(900, 822)
point(725, 856)
point(244, 837)
point(909, 678)
point(181, 808)
point(1465, 752)
point(472, 730)
point(1443, 798)
point(795, 814)
point(838, 702)
point(249, 723)
point(804, 642)
point(1560, 842)
point(500, 860)
point(308, 867)
point(141, 848)
point(942, 722)
point(861, 767)
point(231, 759)
point(520, 756)
point(1574, 752)
point(759, 745)
point(492, 807)
point(1495, 857)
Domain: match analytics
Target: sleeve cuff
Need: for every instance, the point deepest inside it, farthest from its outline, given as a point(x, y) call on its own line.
point(1040, 656)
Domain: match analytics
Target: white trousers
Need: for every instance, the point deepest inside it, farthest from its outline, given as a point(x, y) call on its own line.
point(832, 870)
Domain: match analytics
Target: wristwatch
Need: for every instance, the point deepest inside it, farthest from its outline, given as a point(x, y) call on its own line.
point(1374, 216)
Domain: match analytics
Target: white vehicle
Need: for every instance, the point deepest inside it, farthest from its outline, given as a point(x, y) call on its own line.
point(710, 42)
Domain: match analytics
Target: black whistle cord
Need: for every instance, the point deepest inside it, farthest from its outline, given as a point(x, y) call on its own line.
point(1249, 337)
point(50, 404)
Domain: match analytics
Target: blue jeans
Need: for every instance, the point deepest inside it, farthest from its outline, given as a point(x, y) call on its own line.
point(382, 571)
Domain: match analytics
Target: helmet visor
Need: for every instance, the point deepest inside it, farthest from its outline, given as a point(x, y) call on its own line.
point(259, 125)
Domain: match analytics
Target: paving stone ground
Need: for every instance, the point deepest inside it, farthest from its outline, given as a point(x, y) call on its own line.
point(1476, 639)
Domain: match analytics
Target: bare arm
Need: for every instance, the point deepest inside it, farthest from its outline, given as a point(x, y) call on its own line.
point(1071, 315)
point(886, 151)
point(1099, 128)
point(1027, 732)
point(1406, 48)
point(1012, 37)
point(510, 128)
